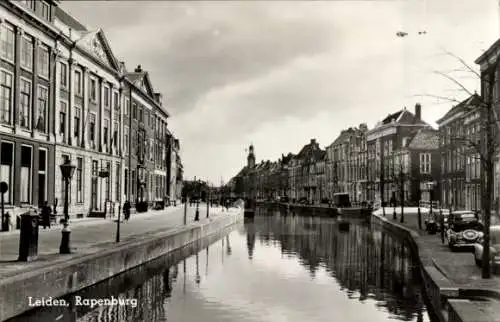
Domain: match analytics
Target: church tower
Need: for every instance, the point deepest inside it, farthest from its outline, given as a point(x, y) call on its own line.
point(251, 157)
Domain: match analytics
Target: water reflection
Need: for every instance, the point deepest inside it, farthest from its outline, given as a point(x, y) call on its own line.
point(367, 264)
point(276, 268)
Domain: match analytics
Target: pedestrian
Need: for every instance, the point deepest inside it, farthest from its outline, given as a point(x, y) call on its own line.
point(46, 215)
point(126, 210)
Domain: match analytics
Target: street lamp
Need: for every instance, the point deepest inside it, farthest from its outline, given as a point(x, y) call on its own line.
point(208, 199)
point(67, 170)
point(197, 213)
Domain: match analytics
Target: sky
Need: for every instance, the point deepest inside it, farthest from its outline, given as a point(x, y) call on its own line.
point(277, 74)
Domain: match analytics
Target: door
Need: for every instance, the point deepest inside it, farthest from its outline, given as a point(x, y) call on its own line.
point(93, 188)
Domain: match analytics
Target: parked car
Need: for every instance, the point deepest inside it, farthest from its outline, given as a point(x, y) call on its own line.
point(494, 248)
point(283, 199)
point(464, 229)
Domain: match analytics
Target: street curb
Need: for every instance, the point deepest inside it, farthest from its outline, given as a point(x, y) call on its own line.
point(448, 289)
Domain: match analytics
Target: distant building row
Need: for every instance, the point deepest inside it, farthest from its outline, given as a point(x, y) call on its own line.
point(64, 95)
point(401, 157)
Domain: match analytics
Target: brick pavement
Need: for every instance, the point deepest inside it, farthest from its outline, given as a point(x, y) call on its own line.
point(458, 267)
point(92, 236)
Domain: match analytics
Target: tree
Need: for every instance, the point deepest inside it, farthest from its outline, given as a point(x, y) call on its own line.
point(486, 148)
point(400, 176)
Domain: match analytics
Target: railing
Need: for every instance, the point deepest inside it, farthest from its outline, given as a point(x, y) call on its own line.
point(427, 204)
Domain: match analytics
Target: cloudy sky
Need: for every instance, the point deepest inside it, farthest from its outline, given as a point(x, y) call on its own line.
point(277, 73)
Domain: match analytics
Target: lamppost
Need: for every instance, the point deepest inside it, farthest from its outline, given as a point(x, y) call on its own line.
point(430, 188)
point(208, 199)
point(67, 170)
point(197, 213)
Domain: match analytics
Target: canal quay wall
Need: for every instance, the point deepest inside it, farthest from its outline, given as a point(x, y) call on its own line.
point(321, 211)
point(83, 271)
point(448, 301)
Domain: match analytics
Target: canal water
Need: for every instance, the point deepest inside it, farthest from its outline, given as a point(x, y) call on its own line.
point(276, 268)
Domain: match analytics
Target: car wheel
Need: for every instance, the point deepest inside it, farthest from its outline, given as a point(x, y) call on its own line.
point(478, 262)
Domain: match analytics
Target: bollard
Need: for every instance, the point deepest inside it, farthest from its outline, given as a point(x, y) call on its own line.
point(28, 237)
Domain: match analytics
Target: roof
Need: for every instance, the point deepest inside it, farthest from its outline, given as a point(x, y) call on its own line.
point(394, 116)
point(285, 159)
point(310, 151)
point(425, 139)
point(473, 100)
point(69, 20)
point(488, 52)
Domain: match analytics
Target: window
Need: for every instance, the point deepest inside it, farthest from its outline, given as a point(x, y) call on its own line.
point(106, 97)
point(117, 182)
point(25, 179)
point(78, 82)
point(93, 194)
point(108, 182)
point(27, 53)
point(45, 10)
point(63, 106)
point(116, 100)
point(126, 139)
point(79, 180)
point(127, 107)
point(105, 133)
point(425, 163)
point(93, 90)
point(134, 110)
point(76, 122)
point(115, 135)
point(25, 104)
point(5, 97)
point(6, 163)
point(43, 62)
point(92, 129)
point(125, 183)
point(63, 74)
point(7, 42)
point(43, 103)
point(132, 183)
point(31, 4)
point(42, 176)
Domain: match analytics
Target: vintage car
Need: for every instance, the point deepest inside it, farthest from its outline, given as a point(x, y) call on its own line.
point(494, 248)
point(464, 229)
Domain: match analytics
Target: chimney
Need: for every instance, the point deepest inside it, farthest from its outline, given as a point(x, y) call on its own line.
point(313, 141)
point(418, 111)
point(138, 69)
point(158, 98)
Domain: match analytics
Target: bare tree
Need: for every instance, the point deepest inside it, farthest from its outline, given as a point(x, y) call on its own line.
point(486, 148)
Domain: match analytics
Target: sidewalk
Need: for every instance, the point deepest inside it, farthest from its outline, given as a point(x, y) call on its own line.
point(91, 236)
point(458, 267)
point(89, 221)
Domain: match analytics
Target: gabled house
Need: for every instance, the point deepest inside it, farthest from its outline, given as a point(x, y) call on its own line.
point(304, 169)
point(388, 136)
point(415, 168)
